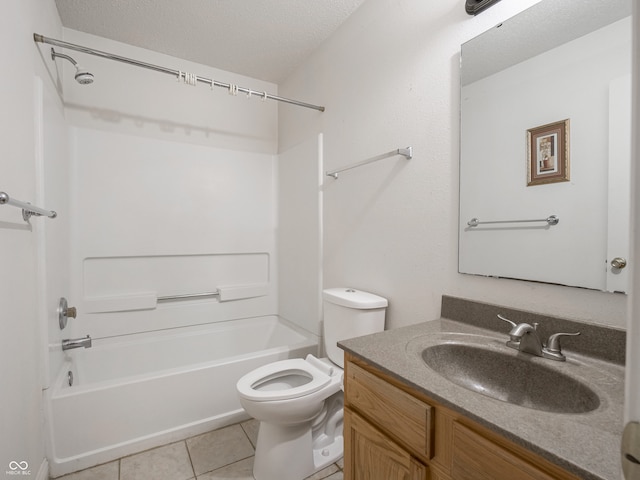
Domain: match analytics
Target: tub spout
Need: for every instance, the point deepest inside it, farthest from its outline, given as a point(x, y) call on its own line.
point(70, 343)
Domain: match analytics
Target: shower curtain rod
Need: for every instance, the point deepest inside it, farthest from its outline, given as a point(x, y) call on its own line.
point(176, 73)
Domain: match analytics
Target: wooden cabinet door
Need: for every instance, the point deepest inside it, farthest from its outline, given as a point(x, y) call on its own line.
point(370, 455)
point(477, 458)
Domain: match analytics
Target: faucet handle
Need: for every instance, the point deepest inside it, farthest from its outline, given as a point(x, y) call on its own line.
point(513, 324)
point(553, 344)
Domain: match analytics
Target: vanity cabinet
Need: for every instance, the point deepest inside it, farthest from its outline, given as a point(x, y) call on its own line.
point(393, 432)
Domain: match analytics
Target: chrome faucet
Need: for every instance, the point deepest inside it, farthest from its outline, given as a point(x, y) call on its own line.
point(70, 343)
point(524, 338)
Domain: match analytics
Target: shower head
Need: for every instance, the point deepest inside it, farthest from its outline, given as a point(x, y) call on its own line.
point(82, 76)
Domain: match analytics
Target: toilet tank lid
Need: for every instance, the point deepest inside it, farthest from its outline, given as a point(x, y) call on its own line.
point(350, 297)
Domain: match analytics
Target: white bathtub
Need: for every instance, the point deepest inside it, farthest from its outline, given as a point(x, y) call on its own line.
point(139, 391)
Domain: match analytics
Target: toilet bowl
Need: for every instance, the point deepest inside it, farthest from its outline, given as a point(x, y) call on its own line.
point(289, 391)
point(299, 402)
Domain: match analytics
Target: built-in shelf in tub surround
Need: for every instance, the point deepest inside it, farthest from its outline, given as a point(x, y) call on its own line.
point(585, 445)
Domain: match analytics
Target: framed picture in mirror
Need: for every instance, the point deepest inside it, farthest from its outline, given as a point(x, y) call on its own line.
point(548, 153)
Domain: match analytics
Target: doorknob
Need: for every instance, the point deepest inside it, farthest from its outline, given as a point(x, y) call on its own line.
point(631, 451)
point(619, 262)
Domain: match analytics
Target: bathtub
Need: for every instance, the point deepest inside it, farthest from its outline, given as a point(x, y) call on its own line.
point(140, 391)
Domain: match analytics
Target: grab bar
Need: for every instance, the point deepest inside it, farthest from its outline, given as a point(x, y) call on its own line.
point(27, 209)
point(406, 152)
point(189, 295)
point(551, 220)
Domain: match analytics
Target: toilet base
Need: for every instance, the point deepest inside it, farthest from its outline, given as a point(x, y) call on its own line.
point(287, 453)
point(325, 456)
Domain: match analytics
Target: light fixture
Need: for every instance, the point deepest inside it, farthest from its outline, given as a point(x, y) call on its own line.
point(474, 7)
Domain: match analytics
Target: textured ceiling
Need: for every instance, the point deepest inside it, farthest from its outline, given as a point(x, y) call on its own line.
point(264, 39)
point(544, 26)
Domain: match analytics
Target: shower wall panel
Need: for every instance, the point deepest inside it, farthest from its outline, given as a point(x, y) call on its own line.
point(300, 234)
point(156, 218)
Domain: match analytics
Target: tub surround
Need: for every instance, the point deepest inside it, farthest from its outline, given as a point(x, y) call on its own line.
point(586, 445)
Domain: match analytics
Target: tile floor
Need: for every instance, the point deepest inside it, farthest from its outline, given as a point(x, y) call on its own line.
point(224, 454)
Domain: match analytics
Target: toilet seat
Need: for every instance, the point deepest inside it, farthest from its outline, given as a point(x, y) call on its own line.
point(248, 385)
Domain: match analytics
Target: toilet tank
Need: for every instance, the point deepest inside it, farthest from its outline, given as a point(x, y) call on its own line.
point(350, 313)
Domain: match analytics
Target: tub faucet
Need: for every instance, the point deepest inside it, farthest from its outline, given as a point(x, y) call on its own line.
point(70, 343)
point(524, 338)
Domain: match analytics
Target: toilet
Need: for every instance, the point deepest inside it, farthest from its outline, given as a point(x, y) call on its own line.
point(299, 402)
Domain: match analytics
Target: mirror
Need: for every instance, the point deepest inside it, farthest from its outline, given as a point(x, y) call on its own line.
point(546, 132)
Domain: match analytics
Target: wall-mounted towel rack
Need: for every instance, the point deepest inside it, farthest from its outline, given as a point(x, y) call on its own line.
point(27, 209)
point(406, 152)
point(551, 220)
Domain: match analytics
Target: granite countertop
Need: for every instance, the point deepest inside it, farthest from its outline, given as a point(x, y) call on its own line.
point(586, 444)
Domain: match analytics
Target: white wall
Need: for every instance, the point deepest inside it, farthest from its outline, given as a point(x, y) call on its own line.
point(21, 247)
point(389, 78)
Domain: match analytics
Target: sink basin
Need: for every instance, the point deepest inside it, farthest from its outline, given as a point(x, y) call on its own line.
point(511, 377)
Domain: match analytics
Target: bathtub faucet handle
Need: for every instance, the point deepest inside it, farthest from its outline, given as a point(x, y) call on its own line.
point(65, 312)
